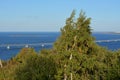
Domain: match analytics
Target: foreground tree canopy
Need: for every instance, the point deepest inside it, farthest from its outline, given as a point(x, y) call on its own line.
point(74, 56)
point(76, 35)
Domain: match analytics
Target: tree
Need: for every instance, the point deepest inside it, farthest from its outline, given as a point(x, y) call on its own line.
point(76, 35)
point(75, 40)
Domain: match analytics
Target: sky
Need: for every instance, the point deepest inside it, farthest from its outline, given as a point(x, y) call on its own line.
point(50, 15)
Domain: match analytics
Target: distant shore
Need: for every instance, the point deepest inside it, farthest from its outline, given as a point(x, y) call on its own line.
point(114, 32)
point(106, 32)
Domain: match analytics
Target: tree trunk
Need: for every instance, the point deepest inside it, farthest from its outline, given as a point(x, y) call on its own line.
point(71, 76)
point(71, 71)
point(65, 77)
point(1, 64)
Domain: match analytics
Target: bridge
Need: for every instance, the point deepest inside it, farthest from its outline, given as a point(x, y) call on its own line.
point(8, 46)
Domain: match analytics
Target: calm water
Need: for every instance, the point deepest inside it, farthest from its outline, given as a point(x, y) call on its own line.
point(44, 40)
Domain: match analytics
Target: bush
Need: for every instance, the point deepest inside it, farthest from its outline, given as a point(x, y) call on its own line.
point(36, 68)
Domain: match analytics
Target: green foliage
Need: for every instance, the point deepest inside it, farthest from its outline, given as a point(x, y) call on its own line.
point(76, 35)
point(36, 68)
point(64, 42)
point(89, 61)
point(24, 54)
point(9, 67)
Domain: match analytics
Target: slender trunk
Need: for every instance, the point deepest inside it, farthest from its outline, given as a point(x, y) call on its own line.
point(71, 76)
point(65, 75)
point(1, 64)
point(73, 46)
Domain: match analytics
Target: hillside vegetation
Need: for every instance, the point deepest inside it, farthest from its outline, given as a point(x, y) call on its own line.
point(74, 56)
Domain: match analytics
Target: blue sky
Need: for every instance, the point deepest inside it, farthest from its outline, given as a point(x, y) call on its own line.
point(50, 15)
